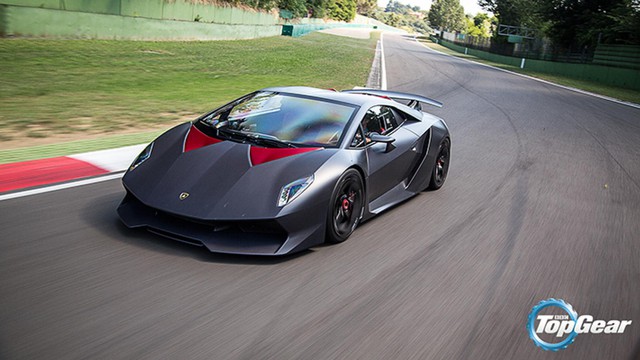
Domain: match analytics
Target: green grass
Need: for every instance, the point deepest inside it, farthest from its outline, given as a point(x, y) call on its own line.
point(611, 91)
point(78, 87)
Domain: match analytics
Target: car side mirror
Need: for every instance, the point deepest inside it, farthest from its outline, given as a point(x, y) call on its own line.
point(377, 138)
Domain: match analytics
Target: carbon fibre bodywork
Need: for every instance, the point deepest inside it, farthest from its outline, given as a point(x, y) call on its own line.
point(231, 205)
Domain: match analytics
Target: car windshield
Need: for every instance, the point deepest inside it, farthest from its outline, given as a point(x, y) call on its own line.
point(283, 118)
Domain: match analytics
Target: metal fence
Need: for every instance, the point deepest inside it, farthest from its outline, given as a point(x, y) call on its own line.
point(626, 56)
point(536, 48)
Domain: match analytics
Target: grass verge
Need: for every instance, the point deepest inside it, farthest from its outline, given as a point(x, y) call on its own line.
point(80, 88)
point(74, 147)
point(610, 91)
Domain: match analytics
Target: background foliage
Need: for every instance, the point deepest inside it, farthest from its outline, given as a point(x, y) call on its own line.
point(447, 15)
point(410, 18)
point(573, 23)
point(343, 10)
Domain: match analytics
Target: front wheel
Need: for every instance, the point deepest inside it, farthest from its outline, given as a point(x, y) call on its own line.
point(441, 166)
point(346, 206)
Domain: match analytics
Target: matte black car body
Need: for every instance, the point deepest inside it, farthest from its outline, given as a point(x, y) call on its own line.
point(215, 197)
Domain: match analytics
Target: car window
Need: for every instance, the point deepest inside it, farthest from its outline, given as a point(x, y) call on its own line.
point(287, 118)
point(358, 139)
point(379, 119)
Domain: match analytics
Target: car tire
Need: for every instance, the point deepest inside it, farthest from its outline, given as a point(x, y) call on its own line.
point(441, 165)
point(345, 207)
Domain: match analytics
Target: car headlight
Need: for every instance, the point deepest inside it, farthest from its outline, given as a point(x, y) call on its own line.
point(144, 155)
point(292, 190)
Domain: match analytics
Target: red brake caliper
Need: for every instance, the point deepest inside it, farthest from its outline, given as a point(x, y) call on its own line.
point(345, 204)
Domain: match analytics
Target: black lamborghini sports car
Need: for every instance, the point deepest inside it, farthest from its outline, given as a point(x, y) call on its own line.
point(284, 169)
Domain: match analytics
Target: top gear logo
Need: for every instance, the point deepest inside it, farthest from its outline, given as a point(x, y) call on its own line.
point(570, 325)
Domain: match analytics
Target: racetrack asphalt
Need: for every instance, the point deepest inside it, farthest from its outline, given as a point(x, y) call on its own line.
point(542, 200)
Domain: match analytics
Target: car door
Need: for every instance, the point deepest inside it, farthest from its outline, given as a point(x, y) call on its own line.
point(387, 169)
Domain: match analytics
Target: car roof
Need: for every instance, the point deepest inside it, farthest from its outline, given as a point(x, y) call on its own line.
point(354, 99)
point(364, 101)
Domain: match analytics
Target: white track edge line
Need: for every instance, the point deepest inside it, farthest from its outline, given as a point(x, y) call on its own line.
point(383, 68)
point(68, 185)
point(584, 92)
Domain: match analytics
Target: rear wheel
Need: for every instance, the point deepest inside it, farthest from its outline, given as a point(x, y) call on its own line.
point(346, 206)
point(441, 166)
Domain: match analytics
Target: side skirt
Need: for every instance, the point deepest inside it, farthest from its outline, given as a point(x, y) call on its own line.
point(392, 197)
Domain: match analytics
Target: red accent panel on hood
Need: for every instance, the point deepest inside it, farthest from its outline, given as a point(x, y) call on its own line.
point(261, 155)
point(197, 139)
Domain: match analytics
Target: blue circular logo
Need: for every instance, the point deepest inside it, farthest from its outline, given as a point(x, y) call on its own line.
point(533, 316)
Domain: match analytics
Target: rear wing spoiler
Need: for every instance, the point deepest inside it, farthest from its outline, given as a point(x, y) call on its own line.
point(414, 100)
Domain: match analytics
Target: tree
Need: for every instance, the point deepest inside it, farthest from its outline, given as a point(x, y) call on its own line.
point(420, 26)
point(480, 18)
point(398, 8)
point(394, 20)
point(319, 8)
point(573, 23)
point(626, 18)
point(365, 7)
point(516, 12)
point(404, 16)
point(343, 10)
point(585, 23)
point(479, 26)
point(447, 15)
point(297, 7)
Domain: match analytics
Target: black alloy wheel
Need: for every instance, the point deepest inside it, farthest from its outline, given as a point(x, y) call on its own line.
point(441, 166)
point(346, 206)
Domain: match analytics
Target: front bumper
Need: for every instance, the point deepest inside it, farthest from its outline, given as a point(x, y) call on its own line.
point(280, 236)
